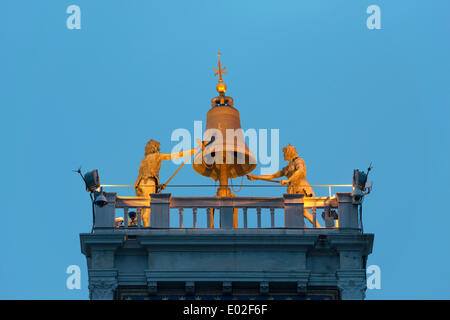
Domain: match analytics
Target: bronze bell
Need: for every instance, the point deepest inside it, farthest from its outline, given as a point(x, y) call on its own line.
point(227, 156)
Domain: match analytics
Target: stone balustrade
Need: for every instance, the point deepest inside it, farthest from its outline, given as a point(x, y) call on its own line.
point(339, 211)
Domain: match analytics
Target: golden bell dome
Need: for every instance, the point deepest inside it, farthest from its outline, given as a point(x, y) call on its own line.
point(227, 156)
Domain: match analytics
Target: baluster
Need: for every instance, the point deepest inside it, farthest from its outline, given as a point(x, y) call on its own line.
point(194, 217)
point(244, 209)
point(215, 212)
point(258, 213)
point(208, 218)
point(314, 217)
point(125, 217)
point(180, 214)
point(138, 216)
point(272, 217)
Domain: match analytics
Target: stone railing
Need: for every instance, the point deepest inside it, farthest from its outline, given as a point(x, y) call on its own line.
point(340, 211)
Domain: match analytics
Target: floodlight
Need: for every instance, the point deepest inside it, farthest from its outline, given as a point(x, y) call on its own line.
point(118, 222)
point(359, 179)
point(100, 199)
point(361, 186)
point(329, 215)
point(133, 219)
point(92, 180)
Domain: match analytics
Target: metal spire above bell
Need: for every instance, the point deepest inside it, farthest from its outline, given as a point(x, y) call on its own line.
point(221, 87)
point(228, 155)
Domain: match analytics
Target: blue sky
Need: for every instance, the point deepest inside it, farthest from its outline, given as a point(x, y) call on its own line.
point(342, 94)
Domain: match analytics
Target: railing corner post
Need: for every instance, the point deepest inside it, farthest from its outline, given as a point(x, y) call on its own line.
point(347, 210)
point(160, 206)
point(104, 216)
point(293, 211)
point(226, 217)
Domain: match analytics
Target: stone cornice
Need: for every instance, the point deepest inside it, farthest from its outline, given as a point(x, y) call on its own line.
point(265, 238)
point(100, 241)
point(280, 276)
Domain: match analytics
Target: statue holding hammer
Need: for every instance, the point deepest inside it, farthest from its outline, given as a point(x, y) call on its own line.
point(147, 181)
point(295, 172)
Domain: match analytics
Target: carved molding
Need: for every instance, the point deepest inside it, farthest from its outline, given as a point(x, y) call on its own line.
point(264, 287)
point(190, 287)
point(227, 287)
point(152, 287)
point(352, 290)
point(352, 284)
point(102, 289)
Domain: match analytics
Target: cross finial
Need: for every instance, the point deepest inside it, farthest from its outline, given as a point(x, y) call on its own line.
point(220, 70)
point(221, 86)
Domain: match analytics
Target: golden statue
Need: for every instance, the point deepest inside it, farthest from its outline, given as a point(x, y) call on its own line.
point(295, 172)
point(147, 181)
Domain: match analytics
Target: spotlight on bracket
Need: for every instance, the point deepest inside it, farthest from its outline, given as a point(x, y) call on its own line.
point(92, 183)
point(92, 180)
point(361, 186)
point(359, 179)
point(132, 222)
point(100, 199)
